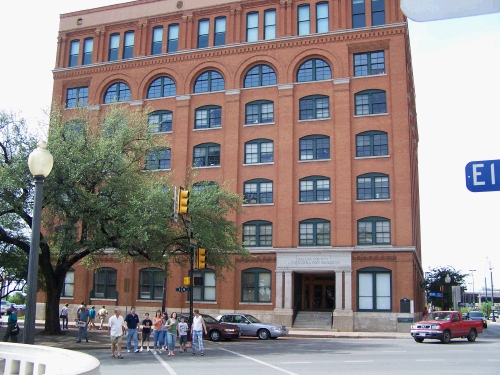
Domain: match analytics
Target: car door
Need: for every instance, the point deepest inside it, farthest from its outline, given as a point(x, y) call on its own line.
point(244, 324)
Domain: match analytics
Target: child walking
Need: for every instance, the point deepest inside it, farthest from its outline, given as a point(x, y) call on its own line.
point(146, 331)
point(182, 328)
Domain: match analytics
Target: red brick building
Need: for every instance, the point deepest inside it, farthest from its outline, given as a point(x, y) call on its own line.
point(307, 107)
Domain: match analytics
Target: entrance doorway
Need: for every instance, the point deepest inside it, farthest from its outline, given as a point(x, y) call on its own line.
point(318, 293)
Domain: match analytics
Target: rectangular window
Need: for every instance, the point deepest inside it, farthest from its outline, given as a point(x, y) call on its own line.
point(88, 46)
point(128, 45)
point(114, 45)
point(68, 284)
point(220, 31)
point(206, 292)
point(203, 28)
point(76, 97)
point(173, 38)
point(157, 40)
point(322, 18)
point(374, 291)
point(270, 24)
point(369, 63)
point(74, 50)
point(378, 12)
point(252, 27)
point(358, 13)
point(304, 20)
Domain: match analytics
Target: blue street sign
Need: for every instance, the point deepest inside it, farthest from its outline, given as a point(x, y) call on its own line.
point(433, 294)
point(480, 176)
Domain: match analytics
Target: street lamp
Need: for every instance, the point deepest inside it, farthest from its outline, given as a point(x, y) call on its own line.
point(492, 299)
point(40, 163)
point(473, 291)
point(447, 280)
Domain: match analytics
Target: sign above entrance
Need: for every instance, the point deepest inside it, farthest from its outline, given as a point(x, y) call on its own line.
point(317, 261)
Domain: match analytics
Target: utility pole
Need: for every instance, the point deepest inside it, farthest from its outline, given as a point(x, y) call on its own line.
point(473, 291)
point(492, 301)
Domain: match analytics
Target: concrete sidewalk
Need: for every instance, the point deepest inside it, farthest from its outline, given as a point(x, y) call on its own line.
point(100, 339)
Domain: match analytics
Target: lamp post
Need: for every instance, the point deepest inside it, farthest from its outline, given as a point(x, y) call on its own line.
point(473, 291)
point(40, 162)
point(447, 280)
point(492, 300)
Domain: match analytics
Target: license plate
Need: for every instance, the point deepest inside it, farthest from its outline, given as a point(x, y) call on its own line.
point(421, 334)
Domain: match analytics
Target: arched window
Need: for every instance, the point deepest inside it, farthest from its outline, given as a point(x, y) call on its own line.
point(161, 87)
point(151, 283)
point(206, 155)
point(209, 116)
point(209, 81)
point(314, 147)
point(256, 285)
point(370, 102)
point(257, 233)
point(158, 159)
point(117, 92)
point(314, 70)
point(259, 151)
point(314, 107)
point(260, 75)
point(314, 189)
point(314, 232)
point(68, 284)
point(104, 284)
point(374, 230)
point(258, 191)
point(373, 186)
point(160, 121)
point(259, 112)
point(374, 286)
point(199, 187)
point(372, 143)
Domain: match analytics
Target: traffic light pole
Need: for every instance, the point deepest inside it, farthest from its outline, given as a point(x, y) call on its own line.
point(191, 286)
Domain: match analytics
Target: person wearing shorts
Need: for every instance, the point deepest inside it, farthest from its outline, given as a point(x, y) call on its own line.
point(102, 315)
point(146, 331)
point(116, 329)
point(182, 328)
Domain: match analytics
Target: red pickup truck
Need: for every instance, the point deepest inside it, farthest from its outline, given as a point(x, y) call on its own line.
point(444, 326)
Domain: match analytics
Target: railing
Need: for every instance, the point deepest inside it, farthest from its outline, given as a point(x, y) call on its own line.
point(42, 360)
point(295, 311)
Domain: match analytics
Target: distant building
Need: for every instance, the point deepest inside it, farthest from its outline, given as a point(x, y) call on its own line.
point(308, 107)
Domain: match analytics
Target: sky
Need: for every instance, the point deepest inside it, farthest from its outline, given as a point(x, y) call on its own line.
point(457, 79)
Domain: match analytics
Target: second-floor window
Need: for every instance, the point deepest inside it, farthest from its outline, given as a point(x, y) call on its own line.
point(114, 46)
point(372, 143)
point(259, 112)
point(203, 29)
point(77, 97)
point(374, 231)
point(314, 107)
point(304, 20)
point(206, 155)
point(158, 159)
point(128, 45)
point(314, 147)
point(369, 63)
point(259, 151)
point(270, 24)
point(373, 186)
point(88, 46)
point(74, 50)
point(252, 27)
point(220, 31)
point(314, 232)
point(370, 102)
point(208, 117)
point(322, 17)
point(314, 189)
point(258, 233)
point(173, 38)
point(157, 40)
point(160, 121)
point(258, 191)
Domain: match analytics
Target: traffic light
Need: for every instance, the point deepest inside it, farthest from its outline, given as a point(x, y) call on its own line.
point(187, 281)
point(201, 258)
point(183, 201)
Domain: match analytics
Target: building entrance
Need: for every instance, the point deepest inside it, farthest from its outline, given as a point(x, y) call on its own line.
point(318, 293)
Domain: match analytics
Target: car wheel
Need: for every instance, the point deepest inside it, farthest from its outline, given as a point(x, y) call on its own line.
point(446, 337)
point(215, 335)
point(418, 339)
point(263, 334)
point(472, 335)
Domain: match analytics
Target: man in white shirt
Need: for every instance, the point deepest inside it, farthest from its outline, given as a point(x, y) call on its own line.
point(116, 330)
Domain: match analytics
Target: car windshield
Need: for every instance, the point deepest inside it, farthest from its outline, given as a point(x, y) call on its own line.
point(209, 319)
point(476, 314)
point(438, 316)
point(252, 319)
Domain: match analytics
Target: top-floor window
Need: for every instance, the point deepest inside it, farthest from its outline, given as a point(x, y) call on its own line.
point(220, 31)
point(369, 63)
point(74, 50)
point(260, 75)
point(372, 143)
point(114, 45)
point(304, 19)
point(128, 45)
point(157, 40)
point(252, 27)
point(117, 92)
point(378, 12)
point(358, 14)
point(322, 17)
point(203, 29)
point(270, 24)
point(88, 46)
point(314, 70)
point(209, 81)
point(161, 87)
point(173, 38)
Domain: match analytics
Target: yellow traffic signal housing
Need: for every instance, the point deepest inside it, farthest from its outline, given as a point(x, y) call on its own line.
point(187, 281)
point(201, 258)
point(183, 201)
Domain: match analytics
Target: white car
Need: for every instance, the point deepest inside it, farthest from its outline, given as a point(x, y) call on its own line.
point(4, 306)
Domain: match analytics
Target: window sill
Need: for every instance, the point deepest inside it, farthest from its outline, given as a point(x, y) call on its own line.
point(372, 115)
point(205, 302)
point(166, 132)
point(66, 297)
point(155, 170)
point(259, 124)
point(257, 204)
point(202, 129)
point(315, 119)
point(270, 163)
point(371, 157)
point(371, 75)
point(206, 166)
point(316, 202)
point(311, 160)
point(161, 97)
point(255, 303)
point(374, 200)
point(104, 299)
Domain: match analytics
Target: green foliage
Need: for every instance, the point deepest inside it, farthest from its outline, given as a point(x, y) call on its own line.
point(436, 281)
point(17, 299)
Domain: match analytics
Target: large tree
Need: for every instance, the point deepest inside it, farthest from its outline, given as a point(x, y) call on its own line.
point(99, 199)
point(435, 282)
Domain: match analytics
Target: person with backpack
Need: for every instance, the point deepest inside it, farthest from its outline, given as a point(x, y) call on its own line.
point(64, 316)
point(12, 330)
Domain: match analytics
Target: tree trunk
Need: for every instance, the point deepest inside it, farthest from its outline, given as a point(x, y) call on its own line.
point(52, 320)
